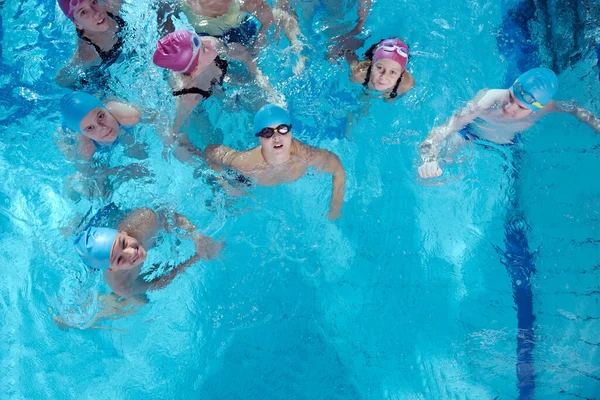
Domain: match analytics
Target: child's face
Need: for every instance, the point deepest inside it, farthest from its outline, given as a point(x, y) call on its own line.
point(277, 146)
point(126, 253)
point(90, 16)
point(100, 125)
point(513, 108)
point(384, 74)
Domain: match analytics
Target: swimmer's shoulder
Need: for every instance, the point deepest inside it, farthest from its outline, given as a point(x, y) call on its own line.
point(113, 6)
point(124, 113)
point(226, 156)
point(140, 223)
point(86, 54)
point(302, 150)
point(85, 147)
point(359, 70)
point(407, 83)
point(487, 98)
point(247, 158)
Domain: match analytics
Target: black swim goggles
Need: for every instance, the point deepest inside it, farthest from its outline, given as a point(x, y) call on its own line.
point(268, 132)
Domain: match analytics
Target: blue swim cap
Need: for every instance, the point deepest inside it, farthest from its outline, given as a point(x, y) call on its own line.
point(536, 87)
point(94, 246)
point(270, 115)
point(75, 106)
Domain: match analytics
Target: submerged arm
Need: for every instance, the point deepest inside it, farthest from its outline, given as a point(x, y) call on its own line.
point(165, 15)
point(83, 58)
point(184, 108)
point(580, 113)
point(328, 162)
point(237, 51)
point(347, 44)
point(218, 155)
point(364, 6)
point(206, 249)
point(263, 12)
point(125, 114)
point(430, 147)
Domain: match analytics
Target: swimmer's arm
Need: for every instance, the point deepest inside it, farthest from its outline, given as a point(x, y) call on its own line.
point(74, 146)
point(348, 43)
point(327, 162)
point(165, 15)
point(580, 113)
point(237, 51)
point(140, 285)
point(364, 6)
point(430, 147)
point(185, 105)
point(263, 12)
point(125, 114)
point(85, 148)
point(291, 29)
point(113, 6)
point(84, 57)
point(206, 248)
point(218, 155)
point(358, 69)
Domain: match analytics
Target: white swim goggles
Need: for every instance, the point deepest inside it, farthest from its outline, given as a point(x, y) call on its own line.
point(401, 50)
point(196, 45)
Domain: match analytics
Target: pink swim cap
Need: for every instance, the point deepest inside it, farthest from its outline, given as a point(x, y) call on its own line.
point(392, 49)
point(182, 51)
point(68, 6)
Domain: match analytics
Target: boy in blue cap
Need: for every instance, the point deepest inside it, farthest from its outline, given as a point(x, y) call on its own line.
point(497, 115)
point(120, 253)
point(280, 158)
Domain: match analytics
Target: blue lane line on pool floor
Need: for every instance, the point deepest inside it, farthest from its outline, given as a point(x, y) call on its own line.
point(514, 42)
point(519, 264)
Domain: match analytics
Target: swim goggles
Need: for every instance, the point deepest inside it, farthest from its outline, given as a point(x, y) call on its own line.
point(72, 5)
point(525, 96)
point(268, 132)
point(197, 45)
point(401, 50)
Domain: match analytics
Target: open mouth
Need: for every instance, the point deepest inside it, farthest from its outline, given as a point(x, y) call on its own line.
point(101, 21)
point(278, 146)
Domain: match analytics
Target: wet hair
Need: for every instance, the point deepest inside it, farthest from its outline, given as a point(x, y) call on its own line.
point(369, 56)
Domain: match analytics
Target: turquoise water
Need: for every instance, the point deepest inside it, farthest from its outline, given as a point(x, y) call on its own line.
point(404, 297)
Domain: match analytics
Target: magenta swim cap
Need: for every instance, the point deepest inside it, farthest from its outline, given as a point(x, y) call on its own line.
point(182, 51)
point(68, 6)
point(392, 49)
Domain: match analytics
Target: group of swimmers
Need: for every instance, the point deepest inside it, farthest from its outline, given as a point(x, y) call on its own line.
point(227, 31)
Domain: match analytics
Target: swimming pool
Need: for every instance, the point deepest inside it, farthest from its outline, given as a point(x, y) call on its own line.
point(407, 296)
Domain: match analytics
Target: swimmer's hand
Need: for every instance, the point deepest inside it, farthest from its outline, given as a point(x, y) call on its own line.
point(206, 248)
point(300, 65)
point(334, 214)
point(133, 171)
point(344, 45)
point(274, 97)
point(430, 169)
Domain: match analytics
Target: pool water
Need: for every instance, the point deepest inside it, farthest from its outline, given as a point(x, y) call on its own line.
point(408, 296)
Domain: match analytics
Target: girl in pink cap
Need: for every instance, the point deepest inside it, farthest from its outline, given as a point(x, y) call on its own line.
point(384, 69)
point(197, 71)
point(235, 21)
point(99, 28)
